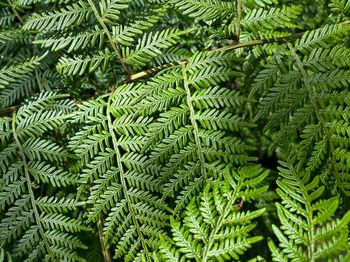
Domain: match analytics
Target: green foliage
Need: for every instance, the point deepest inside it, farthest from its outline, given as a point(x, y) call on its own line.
point(156, 130)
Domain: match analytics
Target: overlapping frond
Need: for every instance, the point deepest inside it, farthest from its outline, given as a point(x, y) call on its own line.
point(310, 99)
point(150, 45)
point(73, 14)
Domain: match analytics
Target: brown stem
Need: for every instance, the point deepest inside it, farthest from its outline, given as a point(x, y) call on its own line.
point(5, 111)
point(281, 40)
point(235, 45)
point(105, 251)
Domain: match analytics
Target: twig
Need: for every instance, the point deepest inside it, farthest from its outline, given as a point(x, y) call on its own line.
point(149, 72)
point(7, 110)
point(146, 73)
point(281, 40)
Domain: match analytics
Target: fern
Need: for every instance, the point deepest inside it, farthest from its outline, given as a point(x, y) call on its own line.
point(34, 228)
point(60, 19)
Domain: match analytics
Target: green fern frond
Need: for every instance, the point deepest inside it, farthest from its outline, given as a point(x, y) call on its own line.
point(74, 14)
point(17, 90)
point(12, 35)
point(111, 9)
point(80, 64)
point(214, 227)
point(320, 37)
point(125, 34)
point(52, 204)
point(220, 120)
point(205, 10)
point(150, 45)
point(217, 97)
point(262, 19)
point(115, 190)
point(258, 3)
point(35, 227)
point(74, 42)
point(340, 5)
point(326, 59)
point(309, 230)
point(6, 17)
point(176, 102)
point(16, 72)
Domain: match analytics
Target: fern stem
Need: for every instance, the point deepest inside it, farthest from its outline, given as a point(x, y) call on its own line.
point(282, 40)
point(194, 124)
point(10, 109)
point(305, 75)
point(15, 12)
point(38, 80)
point(218, 225)
point(110, 38)
point(238, 25)
point(105, 251)
point(311, 91)
point(29, 183)
point(122, 180)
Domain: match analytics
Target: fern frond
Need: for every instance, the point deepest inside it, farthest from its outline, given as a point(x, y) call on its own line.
point(150, 45)
point(213, 226)
point(262, 19)
point(110, 9)
point(52, 204)
point(74, 42)
point(80, 64)
point(325, 59)
point(258, 3)
point(16, 72)
point(340, 5)
point(115, 190)
point(217, 97)
point(309, 229)
point(35, 228)
point(125, 34)
point(74, 14)
point(6, 17)
point(320, 37)
point(205, 10)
